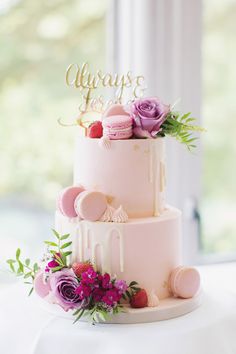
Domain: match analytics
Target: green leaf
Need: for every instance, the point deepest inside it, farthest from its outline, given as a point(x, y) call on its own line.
point(21, 266)
point(18, 251)
point(64, 237)
point(67, 244)
point(11, 264)
point(31, 290)
point(55, 269)
point(67, 253)
point(128, 294)
point(79, 315)
point(27, 275)
point(27, 262)
point(133, 283)
point(50, 243)
point(56, 234)
point(136, 288)
point(36, 267)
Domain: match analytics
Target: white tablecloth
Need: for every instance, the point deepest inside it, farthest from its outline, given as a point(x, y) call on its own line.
point(25, 328)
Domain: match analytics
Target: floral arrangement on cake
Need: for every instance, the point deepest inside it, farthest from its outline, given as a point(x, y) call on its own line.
point(79, 287)
point(144, 118)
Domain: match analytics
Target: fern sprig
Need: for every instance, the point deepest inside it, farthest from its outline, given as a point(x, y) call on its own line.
point(181, 127)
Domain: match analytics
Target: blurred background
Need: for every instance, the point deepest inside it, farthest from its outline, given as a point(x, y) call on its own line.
point(39, 39)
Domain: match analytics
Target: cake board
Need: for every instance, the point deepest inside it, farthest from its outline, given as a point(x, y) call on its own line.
point(168, 308)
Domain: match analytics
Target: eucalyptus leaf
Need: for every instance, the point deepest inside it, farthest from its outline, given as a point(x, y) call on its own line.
point(56, 234)
point(67, 244)
point(64, 237)
point(50, 243)
point(18, 252)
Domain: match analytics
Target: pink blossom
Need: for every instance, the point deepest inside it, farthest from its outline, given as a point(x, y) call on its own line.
point(111, 297)
point(89, 277)
point(106, 284)
point(121, 286)
point(83, 291)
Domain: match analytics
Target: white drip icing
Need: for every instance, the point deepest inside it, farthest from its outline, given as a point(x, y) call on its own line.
point(100, 238)
point(162, 176)
point(157, 175)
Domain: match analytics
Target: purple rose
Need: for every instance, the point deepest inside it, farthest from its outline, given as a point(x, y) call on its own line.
point(148, 115)
point(64, 284)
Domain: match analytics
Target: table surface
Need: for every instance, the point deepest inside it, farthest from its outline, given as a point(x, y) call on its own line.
point(26, 328)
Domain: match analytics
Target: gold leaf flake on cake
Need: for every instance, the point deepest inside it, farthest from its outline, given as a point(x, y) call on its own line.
point(136, 147)
point(146, 151)
point(110, 199)
point(165, 284)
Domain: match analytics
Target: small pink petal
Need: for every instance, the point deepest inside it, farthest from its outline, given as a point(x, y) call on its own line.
point(140, 133)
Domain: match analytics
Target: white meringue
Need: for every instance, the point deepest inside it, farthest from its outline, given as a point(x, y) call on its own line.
point(108, 215)
point(120, 215)
point(153, 300)
point(105, 142)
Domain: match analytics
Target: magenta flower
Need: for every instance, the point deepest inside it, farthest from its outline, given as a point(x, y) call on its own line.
point(98, 294)
point(111, 297)
point(89, 277)
point(53, 263)
point(121, 286)
point(83, 291)
point(64, 284)
point(148, 114)
point(106, 284)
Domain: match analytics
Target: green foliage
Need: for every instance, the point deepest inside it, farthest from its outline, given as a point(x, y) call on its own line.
point(181, 128)
point(133, 288)
point(28, 270)
point(23, 269)
point(58, 250)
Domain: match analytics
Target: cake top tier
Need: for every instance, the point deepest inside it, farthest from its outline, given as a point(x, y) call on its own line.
point(130, 173)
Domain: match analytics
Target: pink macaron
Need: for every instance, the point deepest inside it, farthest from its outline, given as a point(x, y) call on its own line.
point(117, 127)
point(115, 110)
point(184, 282)
point(66, 199)
point(90, 205)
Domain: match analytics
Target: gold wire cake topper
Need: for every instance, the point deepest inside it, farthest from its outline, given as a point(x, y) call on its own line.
point(80, 77)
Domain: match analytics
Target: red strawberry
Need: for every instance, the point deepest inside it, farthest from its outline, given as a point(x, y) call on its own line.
point(139, 299)
point(95, 130)
point(81, 267)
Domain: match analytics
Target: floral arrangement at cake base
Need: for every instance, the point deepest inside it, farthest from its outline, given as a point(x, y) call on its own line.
point(80, 287)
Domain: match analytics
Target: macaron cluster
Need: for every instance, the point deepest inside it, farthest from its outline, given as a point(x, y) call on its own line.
point(184, 282)
point(75, 201)
point(116, 124)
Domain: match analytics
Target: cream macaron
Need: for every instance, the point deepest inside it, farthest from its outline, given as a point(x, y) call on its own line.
point(184, 282)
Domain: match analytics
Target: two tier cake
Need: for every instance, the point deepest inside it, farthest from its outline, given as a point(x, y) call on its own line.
point(117, 250)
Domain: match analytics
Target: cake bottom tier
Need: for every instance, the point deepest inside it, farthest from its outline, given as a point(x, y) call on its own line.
point(145, 250)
